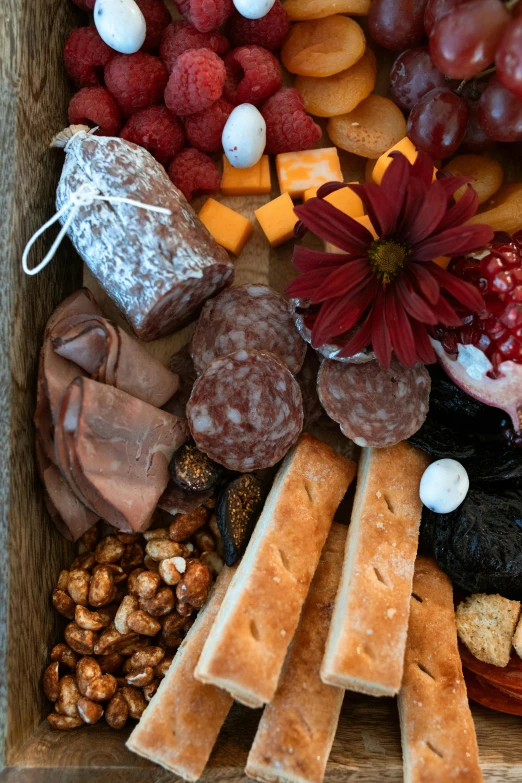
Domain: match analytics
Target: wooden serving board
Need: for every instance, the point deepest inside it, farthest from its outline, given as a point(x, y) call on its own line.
point(33, 100)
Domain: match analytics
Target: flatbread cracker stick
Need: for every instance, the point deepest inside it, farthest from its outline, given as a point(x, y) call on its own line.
point(438, 735)
point(296, 732)
point(256, 623)
point(367, 639)
point(180, 726)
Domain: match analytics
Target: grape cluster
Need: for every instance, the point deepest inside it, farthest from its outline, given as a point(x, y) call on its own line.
point(463, 86)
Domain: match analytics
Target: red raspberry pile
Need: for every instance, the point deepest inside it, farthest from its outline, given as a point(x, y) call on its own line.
point(180, 88)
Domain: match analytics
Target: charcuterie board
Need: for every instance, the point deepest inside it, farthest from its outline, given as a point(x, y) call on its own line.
point(33, 100)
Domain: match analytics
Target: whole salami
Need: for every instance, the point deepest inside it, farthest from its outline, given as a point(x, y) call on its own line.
point(374, 406)
point(159, 269)
point(253, 317)
point(246, 410)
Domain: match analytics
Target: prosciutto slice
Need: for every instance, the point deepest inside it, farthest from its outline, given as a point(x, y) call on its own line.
point(114, 451)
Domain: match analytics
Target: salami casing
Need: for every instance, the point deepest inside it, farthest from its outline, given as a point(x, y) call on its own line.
point(374, 406)
point(159, 269)
point(253, 317)
point(246, 410)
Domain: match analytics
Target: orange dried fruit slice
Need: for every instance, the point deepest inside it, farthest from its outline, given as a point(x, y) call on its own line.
point(485, 173)
point(340, 93)
point(503, 211)
point(299, 10)
point(323, 47)
point(370, 129)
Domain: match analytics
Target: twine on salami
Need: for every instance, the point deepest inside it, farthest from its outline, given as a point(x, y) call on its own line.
point(85, 196)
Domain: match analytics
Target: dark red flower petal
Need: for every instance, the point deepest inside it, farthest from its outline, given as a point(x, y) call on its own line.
point(458, 240)
point(423, 168)
point(447, 313)
point(414, 304)
point(360, 340)
point(332, 225)
point(464, 292)
point(378, 206)
point(306, 260)
point(381, 341)
point(451, 184)
point(401, 333)
point(460, 212)
point(304, 286)
point(342, 279)
point(423, 344)
point(330, 187)
point(342, 313)
point(433, 208)
point(412, 203)
point(424, 282)
point(395, 180)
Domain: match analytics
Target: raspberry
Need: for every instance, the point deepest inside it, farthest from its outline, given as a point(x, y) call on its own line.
point(157, 17)
point(253, 75)
point(196, 82)
point(205, 15)
point(136, 81)
point(95, 106)
point(157, 130)
point(288, 127)
point(192, 171)
point(179, 37)
point(205, 129)
point(270, 31)
point(85, 56)
point(85, 5)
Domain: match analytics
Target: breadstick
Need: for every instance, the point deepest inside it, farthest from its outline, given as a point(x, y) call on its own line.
point(297, 729)
point(438, 734)
point(182, 722)
point(256, 623)
point(367, 639)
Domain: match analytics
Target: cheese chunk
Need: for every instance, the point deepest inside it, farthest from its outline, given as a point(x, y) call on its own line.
point(344, 199)
point(408, 150)
point(246, 182)
point(277, 219)
point(230, 229)
point(299, 171)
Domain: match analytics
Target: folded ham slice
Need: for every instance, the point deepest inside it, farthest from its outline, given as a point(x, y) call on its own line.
point(114, 451)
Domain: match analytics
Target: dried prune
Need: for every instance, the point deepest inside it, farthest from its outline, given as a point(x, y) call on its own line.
point(192, 470)
point(237, 509)
point(440, 440)
point(492, 465)
point(451, 403)
point(479, 545)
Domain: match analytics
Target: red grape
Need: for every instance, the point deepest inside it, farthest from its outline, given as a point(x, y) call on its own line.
point(464, 42)
point(397, 24)
point(509, 57)
point(437, 123)
point(500, 112)
point(435, 10)
point(475, 139)
point(412, 76)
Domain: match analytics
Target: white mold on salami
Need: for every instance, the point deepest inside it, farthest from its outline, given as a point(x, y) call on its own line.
point(253, 317)
point(374, 406)
point(158, 269)
point(246, 410)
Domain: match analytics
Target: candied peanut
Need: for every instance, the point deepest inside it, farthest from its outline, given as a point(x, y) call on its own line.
point(85, 561)
point(117, 711)
point(212, 561)
point(150, 689)
point(133, 646)
point(160, 532)
point(172, 569)
point(160, 604)
point(148, 656)
point(90, 712)
point(129, 538)
point(64, 722)
point(213, 526)
point(210, 503)
point(195, 585)
point(118, 574)
point(63, 654)
point(51, 681)
point(185, 525)
point(111, 641)
point(204, 541)
point(143, 623)
point(184, 609)
point(133, 579)
point(78, 586)
point(63, 603)
point(67, 702)
point(101, 590)
point(129, 605)
point(323, 47)
point(485, 174)
point(163, 666)
point(79, 639)
point(91, 537)
point(135, 701)
point(140, 677)
point(147, 584)
point(150, 564)
point(88, 669)
point(102, 688)
point(110, 663)
point(91, 621)
point(160, 549)
point(63, 580)
point(109, 550)
point(370, 129)
point(342, 92)
point(299, 10)
point(172, 630)
point(504, 210)
point(132, 557)
point(107, 613)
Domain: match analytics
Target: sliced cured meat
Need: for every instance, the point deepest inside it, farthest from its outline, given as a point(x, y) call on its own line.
point(159, 269)
point(487, 695)
point(307, 380)
point(110, 355)
point(374, 406)
point(113, 451)
point(246, 410)
point(177, 500)
point(252, 317)
point(508, 677)
point(182, 365)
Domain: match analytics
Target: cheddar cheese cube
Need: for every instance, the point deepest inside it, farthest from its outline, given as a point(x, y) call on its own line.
point(299, 171)
point(246, 182)
point(344, 199)
point(277, 219)
point(409, 151)
point(230, 229)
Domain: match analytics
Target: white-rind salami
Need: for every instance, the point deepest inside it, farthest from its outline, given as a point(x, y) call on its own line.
point(250, 317)
point(246, 410)
point(373, 406)
point(159, 269)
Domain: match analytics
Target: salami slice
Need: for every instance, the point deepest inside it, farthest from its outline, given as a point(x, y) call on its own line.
point(253, 317)
point(307, 380)
point(374, 406)
point(246, 410)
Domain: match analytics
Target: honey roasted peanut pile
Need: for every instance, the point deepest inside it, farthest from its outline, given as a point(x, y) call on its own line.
point(130, 599)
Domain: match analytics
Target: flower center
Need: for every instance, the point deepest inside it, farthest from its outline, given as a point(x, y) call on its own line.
point(388, 258)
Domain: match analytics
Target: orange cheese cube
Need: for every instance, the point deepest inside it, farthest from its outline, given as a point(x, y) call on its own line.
point(310, 193)
point(246, 182)
point(442, 261)
point(344, 199)
point(230, 229)
point(277, 219)
point(364, 220)
point(299, 171)
point(407, 148)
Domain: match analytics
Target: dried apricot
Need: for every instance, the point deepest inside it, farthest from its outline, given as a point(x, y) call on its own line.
point(503, 210)
point(323, 47)
point(370, 129)
point(340, 93)
point(298, 10)
point(485, 173)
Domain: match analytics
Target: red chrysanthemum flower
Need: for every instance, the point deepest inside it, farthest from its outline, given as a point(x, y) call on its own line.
point(386, 291)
